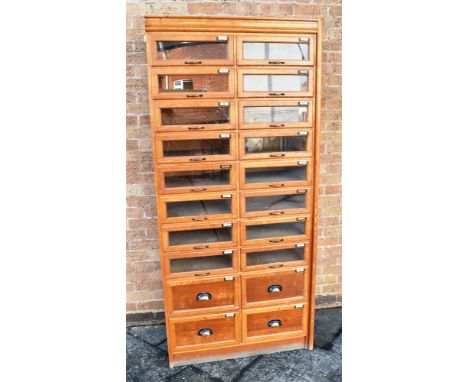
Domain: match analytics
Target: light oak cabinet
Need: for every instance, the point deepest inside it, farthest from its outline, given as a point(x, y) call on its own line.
point(235, 117)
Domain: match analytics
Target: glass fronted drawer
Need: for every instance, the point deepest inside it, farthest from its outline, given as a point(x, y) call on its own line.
point(201, 264)
point(190, 49)
point(192, 83)
point(203, 236)
point(196, 177)
point(276, 50)
point(276, 114)
point(195, 147)
point(274, 256)
point(291, 201)
point(197, 207)
point(275, 231)
point(275, 82)
point(268, 174)
point(200, 115)
point(275, 144)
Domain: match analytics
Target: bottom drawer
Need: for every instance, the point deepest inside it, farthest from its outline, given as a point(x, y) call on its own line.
point(272, 323)
point(204, 331)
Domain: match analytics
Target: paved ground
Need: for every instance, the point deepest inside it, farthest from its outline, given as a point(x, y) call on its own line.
point(147, 358)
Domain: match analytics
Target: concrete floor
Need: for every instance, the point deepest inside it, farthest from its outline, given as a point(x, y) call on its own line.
point(147, 358)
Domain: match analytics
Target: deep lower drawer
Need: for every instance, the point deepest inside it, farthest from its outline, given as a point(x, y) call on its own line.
point(204, 331)
point(274, 322)
point(197, 296)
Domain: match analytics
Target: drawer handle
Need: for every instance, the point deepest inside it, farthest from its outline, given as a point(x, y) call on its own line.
point(197, 159)
point(276, 266)
point(275, 288)
point(201, 247)
point(282, 125)
point(277, 213)
point(201, 274)
point(199, 219)
point(274, 323)
point(277, 155)
point(276, 94)
point(205, 332)
point(276, 240)
point(275, 62)
point(196, 127)
point(203, 296)
point(194, 95)
point(198, 189)
point(192, 62)
point(277, 185)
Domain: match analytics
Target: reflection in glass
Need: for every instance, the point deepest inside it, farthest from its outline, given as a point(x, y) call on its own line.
point(195, 50)
point(201, 263)
point(196, 178)
point(274, 202)
point(275, 174)
point(200, 236)
point(275, 51)
point(262, 231)
point(198, 207)
point(194, 115)
point(254, 145)
point(275, 114)
point(275, 256)
point(194, 147)
point(203, 83)
point(275, 82)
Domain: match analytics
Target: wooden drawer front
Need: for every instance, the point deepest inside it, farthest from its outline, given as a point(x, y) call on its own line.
point(275, 256)
point(219, 329)
point(275, 231)
point(196, 177)
point(200, 264)
point(195, 147)
point(202, 236)
point(192, 83)
point(198, 207)
point(277, 322)
point(276, 50)
point(288, 201)
point(268, 114)
point(281, 286)
point(275, 174)
point(278, 144)
point(199, 115)
point(274, 82)
point(190, 49)
point(203, 295)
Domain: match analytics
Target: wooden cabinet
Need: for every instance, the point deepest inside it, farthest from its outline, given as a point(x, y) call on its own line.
point(235, 116)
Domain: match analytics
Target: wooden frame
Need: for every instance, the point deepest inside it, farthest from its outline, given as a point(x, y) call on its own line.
point(309, 123)
point(306, 191)
point(309, 71)
point(276, 133)
point(195, 37)
point(176, 71)
point(174, 137)
point(241, 39)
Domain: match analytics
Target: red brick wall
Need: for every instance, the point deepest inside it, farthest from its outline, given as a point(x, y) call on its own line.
point(144, 292)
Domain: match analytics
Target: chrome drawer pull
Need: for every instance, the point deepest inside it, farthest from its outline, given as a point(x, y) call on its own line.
point(223, 103)
point(205, 332)
point(303, 103)
point(275, 288)
point(203, 296)
point(228, 252)
point(222, 38)
point(274, 323)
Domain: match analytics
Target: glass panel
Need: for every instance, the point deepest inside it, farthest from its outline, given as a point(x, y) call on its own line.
point(274, 202)
point(193, 83)
point(196, 178)
point(275, 82)
point(198, 207)
point(194, 115)
point(201, 263)
point(200, 236)
point(191, 50)
point(274, 144)
point(275, 174)
point(275, 51)
point(275, 256)
point(262, 231)
point(274, 114)
point(193, 147)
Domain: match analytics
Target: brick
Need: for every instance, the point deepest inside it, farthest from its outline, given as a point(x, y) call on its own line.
point(248, 9)
point(205, 8)
point(309, 10)
point(331, 289)
point(276, 9)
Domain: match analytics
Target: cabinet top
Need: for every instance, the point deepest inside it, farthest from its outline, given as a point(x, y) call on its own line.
point(159, 23)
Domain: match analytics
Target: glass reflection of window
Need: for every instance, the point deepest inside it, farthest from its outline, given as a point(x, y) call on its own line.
point(274, 50)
